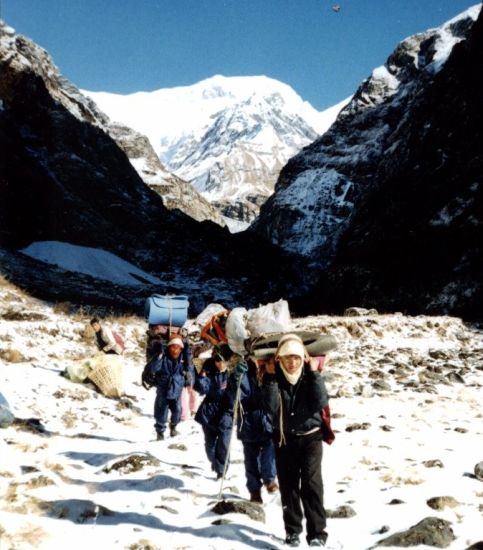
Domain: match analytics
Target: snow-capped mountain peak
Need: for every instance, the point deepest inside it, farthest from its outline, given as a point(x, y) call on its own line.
point(228, 136)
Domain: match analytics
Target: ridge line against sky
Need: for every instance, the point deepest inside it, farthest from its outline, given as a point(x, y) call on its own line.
point(125, 46)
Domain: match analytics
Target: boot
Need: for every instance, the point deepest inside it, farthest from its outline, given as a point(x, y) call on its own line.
point(292, 540)
point(271, 486)
point(160, 437)
point(256, 496)
point(173, 432)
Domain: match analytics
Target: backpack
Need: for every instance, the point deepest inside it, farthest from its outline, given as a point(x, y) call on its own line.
point(119, 340)
point(214, 329)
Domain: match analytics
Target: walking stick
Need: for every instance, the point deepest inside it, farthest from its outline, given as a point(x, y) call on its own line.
point(233, 426)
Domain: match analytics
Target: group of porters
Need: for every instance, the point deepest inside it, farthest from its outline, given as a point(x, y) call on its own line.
point(262, 382)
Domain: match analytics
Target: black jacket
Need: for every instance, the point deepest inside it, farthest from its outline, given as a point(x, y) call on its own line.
point(295, 409)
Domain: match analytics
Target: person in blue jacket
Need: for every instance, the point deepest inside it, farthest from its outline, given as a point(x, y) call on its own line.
point(212, 382)
point(169, 371)
point(254, 429)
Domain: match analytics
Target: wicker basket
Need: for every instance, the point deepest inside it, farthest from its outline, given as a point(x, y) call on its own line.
point(107, 374)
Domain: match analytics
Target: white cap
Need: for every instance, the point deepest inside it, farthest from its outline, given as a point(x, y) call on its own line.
point(176, 341)
point(291, 344)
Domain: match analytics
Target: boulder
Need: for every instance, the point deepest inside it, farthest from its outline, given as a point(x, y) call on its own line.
point(430, 531)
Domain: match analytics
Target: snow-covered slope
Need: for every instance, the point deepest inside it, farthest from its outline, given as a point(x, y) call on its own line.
point(91, 261)
point(229, 136)
point(77, 466)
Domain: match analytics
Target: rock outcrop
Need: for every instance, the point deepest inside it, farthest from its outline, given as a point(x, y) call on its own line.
point(65, 176)
point(387, 205)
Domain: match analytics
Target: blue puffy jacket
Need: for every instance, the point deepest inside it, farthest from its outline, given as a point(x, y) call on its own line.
point(253, 421)
point(212, 386)
point(170, 374)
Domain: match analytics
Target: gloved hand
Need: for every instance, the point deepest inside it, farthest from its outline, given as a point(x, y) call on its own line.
point(240, 369)
point(147, 378)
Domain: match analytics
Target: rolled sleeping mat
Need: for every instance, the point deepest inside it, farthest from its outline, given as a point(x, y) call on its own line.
point(321, 346)
point(315, 343)
point(166, 310)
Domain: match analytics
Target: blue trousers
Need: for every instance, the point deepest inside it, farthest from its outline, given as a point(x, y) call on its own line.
point(161, 407)
point(217, 443)
point(259, 463)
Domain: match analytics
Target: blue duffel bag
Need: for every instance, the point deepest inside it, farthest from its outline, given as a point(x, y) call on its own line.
point(166, 310)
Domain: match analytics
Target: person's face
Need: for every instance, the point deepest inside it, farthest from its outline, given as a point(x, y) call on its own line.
point(174, 351)
point(291, 363)
point(96, 327)
point(266, 365)
point(219, 364)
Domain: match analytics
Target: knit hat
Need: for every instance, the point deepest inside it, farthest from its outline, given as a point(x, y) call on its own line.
point(291, 344)
point(176, 341)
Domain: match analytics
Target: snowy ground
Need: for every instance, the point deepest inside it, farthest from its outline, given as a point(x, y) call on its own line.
point(406, 399)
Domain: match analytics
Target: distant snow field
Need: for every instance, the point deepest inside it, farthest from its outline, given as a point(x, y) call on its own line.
point(92, 261)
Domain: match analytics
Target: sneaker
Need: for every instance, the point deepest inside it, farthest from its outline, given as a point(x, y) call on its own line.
point(317, 542)
point(160, 437)
point(271, 486)
point(292, 540)
point(256, 496)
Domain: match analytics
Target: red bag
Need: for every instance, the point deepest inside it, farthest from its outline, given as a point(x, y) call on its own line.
point(328, 435)
point(214, 330)
point(119, 340)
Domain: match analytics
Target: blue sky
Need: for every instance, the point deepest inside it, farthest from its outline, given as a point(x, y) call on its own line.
point(125, 46)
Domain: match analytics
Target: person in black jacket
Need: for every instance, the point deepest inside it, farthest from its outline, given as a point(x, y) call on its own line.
point(295, 396)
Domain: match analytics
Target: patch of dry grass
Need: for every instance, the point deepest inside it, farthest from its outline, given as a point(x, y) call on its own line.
point(62, 307)
point(11, 495)
point(69, 418)
point(72, 395)
point(39, 481)
point(29, 536)
point(12, 355)
point(143, 544)
point(401, 480)
point(33, 535)
point(12, 314)
point(5, 283)
point(54, 467)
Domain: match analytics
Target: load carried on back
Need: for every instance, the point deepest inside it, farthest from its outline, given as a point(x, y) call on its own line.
point(256, 332)
point(244, 337)
point(169, 362)
point(166, 316)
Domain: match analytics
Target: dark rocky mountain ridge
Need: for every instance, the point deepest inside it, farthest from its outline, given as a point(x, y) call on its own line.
point(414, 241)
point(64, 178)
point(386, 205)
point(384, 211)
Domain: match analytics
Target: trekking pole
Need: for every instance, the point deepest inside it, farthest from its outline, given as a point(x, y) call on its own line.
point(234, 422)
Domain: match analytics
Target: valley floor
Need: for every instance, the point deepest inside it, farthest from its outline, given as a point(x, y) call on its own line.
point(405, 397)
